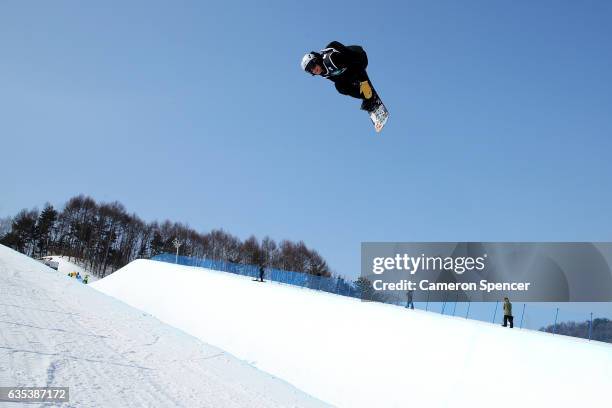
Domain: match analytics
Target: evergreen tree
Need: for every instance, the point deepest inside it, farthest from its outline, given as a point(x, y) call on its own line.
point(367, 292)
point(157, 244)
point(44, 227)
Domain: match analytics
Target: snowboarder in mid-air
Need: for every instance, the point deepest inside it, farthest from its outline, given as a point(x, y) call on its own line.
point(346, 67)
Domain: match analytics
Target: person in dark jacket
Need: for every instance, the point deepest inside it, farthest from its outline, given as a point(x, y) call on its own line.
point(346, 67)
point(508, 313)
point(410, 302)
point(262, 272)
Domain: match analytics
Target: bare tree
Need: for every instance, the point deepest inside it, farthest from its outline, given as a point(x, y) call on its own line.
point(105, 237)
point(5, 226)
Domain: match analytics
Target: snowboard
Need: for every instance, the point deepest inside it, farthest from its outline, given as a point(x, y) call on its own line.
point(377, 110)
point(379, 114)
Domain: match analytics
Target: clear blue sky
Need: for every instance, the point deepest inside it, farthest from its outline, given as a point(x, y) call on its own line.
point(198, 112)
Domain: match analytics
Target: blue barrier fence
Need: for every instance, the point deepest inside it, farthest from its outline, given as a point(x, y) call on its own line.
point(534, 317)
point(338, 286)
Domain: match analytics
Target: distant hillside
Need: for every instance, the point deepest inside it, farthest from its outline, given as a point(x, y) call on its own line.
point(107, 237)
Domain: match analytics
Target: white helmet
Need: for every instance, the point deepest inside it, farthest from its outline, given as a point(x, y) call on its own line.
point(309, 60)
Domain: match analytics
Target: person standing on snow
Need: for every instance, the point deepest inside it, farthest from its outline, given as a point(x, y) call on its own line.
point(410, 302)
point(262, 272)
point(508, 313)
point(346, 67)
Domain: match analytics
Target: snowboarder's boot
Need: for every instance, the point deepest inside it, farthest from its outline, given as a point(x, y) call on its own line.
point(369, 105)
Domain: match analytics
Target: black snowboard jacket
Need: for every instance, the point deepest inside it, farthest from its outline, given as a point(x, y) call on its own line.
point(345, 66)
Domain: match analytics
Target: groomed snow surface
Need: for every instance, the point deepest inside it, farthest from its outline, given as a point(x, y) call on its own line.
point(357, 354)
point(56, 331)
point(65, 266)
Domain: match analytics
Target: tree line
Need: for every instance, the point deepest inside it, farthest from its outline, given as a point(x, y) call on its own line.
point(601, 329)
point(106, 237)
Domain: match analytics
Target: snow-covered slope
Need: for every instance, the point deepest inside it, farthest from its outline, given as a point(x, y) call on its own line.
point(55, 331)
point(357, 354)
point(65, 266)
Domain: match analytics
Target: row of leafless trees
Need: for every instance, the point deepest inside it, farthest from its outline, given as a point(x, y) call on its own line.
point(600, 329)
point(106, 237)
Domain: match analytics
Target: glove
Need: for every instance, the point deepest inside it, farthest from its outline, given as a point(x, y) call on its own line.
point(365, 89)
